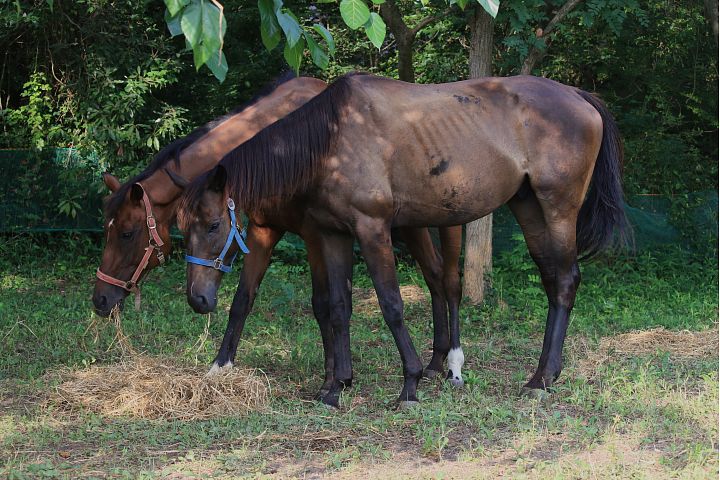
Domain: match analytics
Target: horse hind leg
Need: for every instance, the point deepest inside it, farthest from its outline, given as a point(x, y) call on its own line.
point(551, 241)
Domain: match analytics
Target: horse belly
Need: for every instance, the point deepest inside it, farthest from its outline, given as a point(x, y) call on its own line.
point(454, 196)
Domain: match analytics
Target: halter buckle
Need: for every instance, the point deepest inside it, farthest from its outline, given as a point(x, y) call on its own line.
point(231, 204)
point(217, 263)
point(151, 223)
point(129, 286)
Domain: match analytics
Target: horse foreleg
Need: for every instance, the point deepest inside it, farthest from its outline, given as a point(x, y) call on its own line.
point(423, 251)
point(261, 242)
point(321, 309)
point(338, 257)
point(451, 241)
point(376, 246)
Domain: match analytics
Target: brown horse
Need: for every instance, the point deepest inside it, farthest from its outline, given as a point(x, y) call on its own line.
point(370, 153)
point(150, 199)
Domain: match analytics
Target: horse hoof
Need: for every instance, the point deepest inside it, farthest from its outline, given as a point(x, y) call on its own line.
point(456, 382)
point(542, 396)
point(216, 369)
point(331, 400)
point(322, 393)
point(407, 404)
point(429, 373)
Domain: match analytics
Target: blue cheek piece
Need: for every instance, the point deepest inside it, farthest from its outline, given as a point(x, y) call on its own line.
point(234, 235)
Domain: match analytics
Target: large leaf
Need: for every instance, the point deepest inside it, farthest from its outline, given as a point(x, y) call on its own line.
point(375, 29)
point(355, 13)
point(270, 40)
point(173, 24)
point(218, 66)
point(319, 57)
point(191, 22)
point(269, 28)
point(290, 26)
point(201, 54)
point(490, 6)
point(174, 6)
point(213, 27)
point(293, 55)
point(326, 36)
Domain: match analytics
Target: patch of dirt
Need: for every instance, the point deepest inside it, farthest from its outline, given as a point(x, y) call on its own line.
point(680, 345)
point(365, 300)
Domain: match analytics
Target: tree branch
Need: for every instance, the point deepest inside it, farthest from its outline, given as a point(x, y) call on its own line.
point(428, 20)
point(535, 54)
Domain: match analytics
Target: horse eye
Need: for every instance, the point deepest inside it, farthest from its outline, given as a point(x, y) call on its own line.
point(214, 227)
point(127, 235)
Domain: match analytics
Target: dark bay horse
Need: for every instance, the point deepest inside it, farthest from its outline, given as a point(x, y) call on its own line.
point(369, 154)
point(150, 200)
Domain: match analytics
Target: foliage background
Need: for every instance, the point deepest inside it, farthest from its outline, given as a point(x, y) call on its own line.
point(106, 79)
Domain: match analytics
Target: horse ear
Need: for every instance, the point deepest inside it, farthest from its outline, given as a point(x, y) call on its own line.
point(111, 181)
point(217, 179)
point(136, 192)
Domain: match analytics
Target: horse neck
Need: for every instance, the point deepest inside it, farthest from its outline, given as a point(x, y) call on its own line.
point(208, 150)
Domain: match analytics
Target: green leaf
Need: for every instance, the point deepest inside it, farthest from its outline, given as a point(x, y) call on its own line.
point(379, 2)
point(293, 55)
point(174, 6)
point(218, 68)
point(213, 27)
point(201, 54)
point(269, 28)
point(460, 3)
point(173, 24)
point(51, 4)
point(375, 29)
point(319, 57)
point(355, 13)
point(290, 27)
point(191, 22)
point(326, 36)
point(490, 6)
point(270, 40)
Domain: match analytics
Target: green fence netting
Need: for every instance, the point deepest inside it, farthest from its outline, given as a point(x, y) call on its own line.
point(51, 190)
point(60, 190)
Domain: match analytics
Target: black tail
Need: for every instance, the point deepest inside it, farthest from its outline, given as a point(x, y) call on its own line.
point(602, 223)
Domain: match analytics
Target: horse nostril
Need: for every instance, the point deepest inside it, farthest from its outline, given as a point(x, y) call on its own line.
point(101, 301)
point(202, 300)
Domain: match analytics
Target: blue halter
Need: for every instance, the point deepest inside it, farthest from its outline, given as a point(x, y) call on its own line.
point(235, 234)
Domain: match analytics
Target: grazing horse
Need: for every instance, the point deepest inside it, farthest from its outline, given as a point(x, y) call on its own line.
point(140, 212)
point(369, 154)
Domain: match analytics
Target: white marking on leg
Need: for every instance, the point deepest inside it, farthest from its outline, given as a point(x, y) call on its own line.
point(456, 359)
point(215, 369)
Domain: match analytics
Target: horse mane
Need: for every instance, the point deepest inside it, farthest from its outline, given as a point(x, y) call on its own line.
point(282, 160)
point(171, 152)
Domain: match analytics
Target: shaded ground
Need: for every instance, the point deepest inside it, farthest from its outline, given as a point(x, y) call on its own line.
point(628, 405)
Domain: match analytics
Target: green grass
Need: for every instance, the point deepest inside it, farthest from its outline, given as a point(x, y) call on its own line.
point(640, 416)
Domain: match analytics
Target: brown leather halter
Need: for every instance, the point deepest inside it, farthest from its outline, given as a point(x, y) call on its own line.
point(154, 243)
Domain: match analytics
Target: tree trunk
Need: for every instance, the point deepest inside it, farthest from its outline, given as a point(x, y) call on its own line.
point(404, 38)
point(478, 234)
point(711, 10)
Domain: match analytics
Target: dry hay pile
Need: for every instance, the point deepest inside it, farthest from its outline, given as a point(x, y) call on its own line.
point(148, 387)
point(683, 344)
